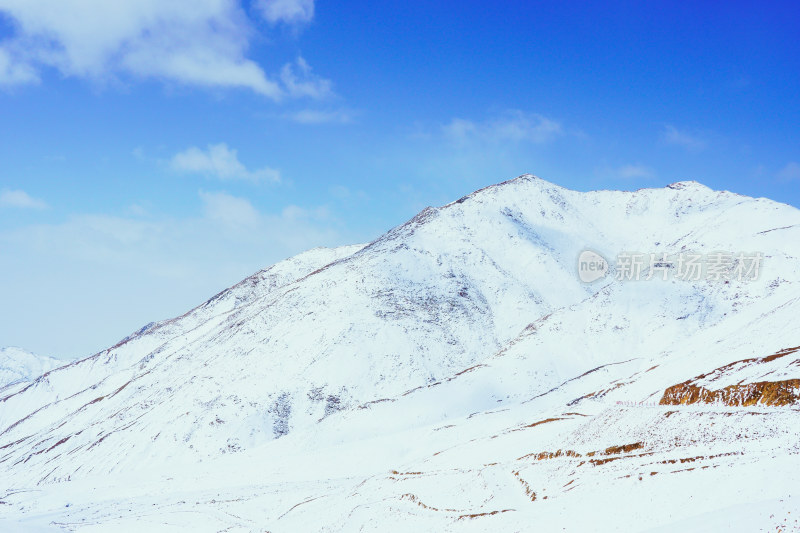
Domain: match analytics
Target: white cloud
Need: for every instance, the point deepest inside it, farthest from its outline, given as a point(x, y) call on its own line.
point(287, 11)
point(460, 129)
point(192, 42)
point(672, 135)
point(20, 199)
point(344, 194)
point(300, 81)
point(314, 116)
point(512, 126)
point(158, 266)
point(230, 210)
point(137, 210)
point(635, 171)
point(225, 220)
point(790, 172)
point(297, 213)
point(12, 72)
point(219, 161)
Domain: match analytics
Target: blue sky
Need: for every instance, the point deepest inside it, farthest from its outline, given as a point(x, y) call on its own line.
point(153, 153)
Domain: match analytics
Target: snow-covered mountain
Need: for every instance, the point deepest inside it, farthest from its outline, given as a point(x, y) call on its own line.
point(18, 365)
point(453, 374)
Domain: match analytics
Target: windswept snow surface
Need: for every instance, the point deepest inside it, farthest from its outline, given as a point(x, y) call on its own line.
point(453, 375)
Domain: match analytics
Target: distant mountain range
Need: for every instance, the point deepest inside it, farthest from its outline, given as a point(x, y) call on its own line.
point(18, 365)
point(454, 374)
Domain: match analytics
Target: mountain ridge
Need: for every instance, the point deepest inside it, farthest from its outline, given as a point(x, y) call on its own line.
point(18, 365)
point(469, 311)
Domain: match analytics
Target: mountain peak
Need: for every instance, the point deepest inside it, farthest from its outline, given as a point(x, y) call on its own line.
point(688, 184)
point(518, 181)
point(331, 369)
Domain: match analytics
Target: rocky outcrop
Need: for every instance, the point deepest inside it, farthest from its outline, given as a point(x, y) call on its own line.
point(784, 392)
point(741, 394)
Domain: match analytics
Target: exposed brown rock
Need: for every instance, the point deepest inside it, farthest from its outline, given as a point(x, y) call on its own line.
point(625, 448)
point(784, 392)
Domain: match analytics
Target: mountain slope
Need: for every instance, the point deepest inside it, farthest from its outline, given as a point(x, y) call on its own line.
point(460, 348)
point(18, 365)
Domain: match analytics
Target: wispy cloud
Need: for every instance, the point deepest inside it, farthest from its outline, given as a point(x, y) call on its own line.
point(511, 126)
point(224, 219)
point(157, 265)
point(20, 199)
point(345, 194)
point(219, 161)
point(229, 210)
point(634, 172)
point(671, 135)
point(192, 43)
point(315, 116)
point(297, 213)
point(286, 11)
point(299, 81)
point(13, 71)
point(790, 172)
